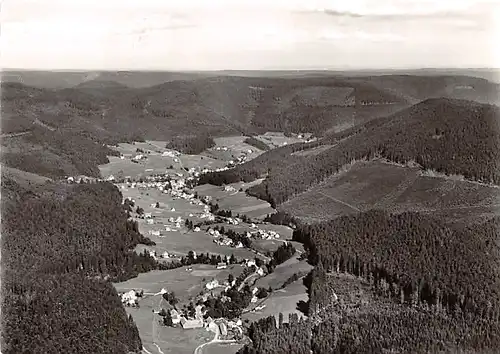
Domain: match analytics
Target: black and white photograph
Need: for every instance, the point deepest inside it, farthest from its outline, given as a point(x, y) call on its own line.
point(250, 177)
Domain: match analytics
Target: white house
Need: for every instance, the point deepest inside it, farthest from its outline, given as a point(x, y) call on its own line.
point(223, 329)
point(150, 221)
point(165, 255)
point(148, 215)
point(260, 272)
point(176, 318)
point(221, 265)
point(212, 284)
point(173, 209)
point(189, 324)
point(168, 229)
point(197, 229)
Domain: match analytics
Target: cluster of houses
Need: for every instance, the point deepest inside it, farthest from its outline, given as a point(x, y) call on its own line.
point(263, 234)
point(226, 329)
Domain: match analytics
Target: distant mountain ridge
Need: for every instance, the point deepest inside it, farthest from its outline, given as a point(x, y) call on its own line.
point(137, 79)
point(99, 111)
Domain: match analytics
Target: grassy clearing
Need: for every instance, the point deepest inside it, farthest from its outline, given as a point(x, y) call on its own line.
point(170, 340)
point(23, 178)
point(155, 163)
point(186, 284)
point(219, 348)
point(282, 272)
point(237, 202)
point(314, 151)
point(181, 241)
point(274, 140)
point(283, 300)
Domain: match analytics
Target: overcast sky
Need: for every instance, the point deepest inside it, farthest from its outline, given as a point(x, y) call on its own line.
point(248, 34)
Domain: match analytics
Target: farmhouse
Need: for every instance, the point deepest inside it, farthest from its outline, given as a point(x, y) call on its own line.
point(229, 189)
point(223, 328)
point(189, 324)
point(212, 284)
point(221, 265)
point(176, 318)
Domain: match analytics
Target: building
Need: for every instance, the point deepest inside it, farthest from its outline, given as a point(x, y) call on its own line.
point(176, 318)
point(223, 328)
point(212, 284)
point(221, 265)
point(190, 324)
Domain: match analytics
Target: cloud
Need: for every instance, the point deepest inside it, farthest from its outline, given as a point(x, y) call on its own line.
point(174, 34)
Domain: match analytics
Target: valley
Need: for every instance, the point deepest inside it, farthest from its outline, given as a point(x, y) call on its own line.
point(233, 213)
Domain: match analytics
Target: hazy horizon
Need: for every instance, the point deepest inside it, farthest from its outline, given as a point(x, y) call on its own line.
point(192, 35)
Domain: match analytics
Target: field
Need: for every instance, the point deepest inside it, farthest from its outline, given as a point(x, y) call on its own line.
point(314, 151)
point(218, 348)
point(155, 162)
point(186, 284)
point(283, 272)
point(273, 139)
point(237, 202)
point(379, 185)
point(23, 178)
point(181, 241)
point(282, 300)
point(156, 337)
point(235, 147)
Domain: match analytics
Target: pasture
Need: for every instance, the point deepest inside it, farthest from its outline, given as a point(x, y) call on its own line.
point(282, 300)
point(155, 163)
point(167, 339)
point(283, 272)
point(221, 348)
point(275, 139)
point(181, 241)
point(237, 202)
point(186, 284)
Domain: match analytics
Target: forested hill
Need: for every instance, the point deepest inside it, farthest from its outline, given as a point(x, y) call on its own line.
point(101, 111)
point(451, 136)
point(59, 243)
point(384, 283)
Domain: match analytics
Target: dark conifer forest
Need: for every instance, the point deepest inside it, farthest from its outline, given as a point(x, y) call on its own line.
point(450, 136)
point(60, 243)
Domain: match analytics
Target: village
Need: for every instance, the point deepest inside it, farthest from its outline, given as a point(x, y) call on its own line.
point(183, 218)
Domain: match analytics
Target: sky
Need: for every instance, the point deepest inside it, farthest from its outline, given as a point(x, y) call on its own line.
point(248, 34)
